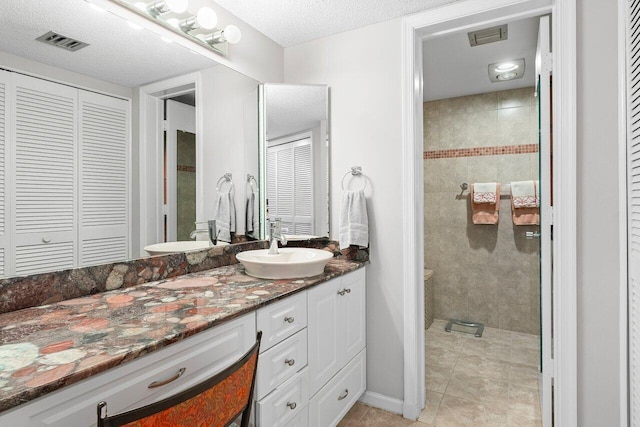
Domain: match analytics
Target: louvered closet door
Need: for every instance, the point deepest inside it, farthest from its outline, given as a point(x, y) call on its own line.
point(290, 185)
point(633, 186)
point(5, 173)
point(43, 213)
point(104, 144)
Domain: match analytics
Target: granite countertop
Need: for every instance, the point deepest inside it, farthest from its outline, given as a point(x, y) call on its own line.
point(45, 348)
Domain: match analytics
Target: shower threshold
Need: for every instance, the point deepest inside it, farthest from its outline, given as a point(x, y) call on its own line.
point(466, 327)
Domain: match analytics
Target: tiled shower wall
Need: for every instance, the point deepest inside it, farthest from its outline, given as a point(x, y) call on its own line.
point(482, 273)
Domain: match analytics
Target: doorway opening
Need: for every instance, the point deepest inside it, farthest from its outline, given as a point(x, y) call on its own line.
point(482, 139)
point(179, 167)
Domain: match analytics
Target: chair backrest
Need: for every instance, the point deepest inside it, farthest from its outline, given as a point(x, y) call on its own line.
point(215, 402)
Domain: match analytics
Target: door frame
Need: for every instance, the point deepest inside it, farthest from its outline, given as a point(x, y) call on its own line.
point(150, 131)
point(184, 114)
point(454, 17)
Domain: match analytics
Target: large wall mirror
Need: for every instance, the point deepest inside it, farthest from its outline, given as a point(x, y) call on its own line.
point(295, 152)
point(123, 143)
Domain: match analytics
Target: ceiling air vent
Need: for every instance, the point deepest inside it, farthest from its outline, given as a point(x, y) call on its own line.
point(488, 35)
point(61, 41)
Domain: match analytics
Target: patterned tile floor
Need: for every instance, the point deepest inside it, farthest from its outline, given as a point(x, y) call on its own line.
point(481, 382)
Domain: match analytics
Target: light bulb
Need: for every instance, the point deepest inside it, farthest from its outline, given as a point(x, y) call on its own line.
point(174, 22)
point(232, 34)
point(207, 18)
point(177, 6)
point(507, 76)
point(506, 66)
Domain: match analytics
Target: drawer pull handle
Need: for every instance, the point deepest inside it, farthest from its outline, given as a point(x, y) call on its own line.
point(292, 405)
point(178, 374)
point(289, 319)
point(342, 292)
point(344, 395)
point(290, 362)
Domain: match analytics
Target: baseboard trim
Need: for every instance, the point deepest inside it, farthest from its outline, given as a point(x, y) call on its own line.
point(380, 401)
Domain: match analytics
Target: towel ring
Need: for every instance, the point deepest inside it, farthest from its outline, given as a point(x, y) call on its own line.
point(250, 180)
point(355, 171)
point(225, 178)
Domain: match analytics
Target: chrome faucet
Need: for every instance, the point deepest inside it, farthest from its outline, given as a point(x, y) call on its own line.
point(212, 230)
point(275, 236)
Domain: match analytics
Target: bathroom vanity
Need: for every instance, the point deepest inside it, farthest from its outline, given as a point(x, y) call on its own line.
point(138, 345)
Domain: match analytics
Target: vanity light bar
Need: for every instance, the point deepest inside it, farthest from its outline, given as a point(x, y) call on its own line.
point(200, 28)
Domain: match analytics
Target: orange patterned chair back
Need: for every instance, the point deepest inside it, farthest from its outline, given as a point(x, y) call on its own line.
point(215, 402)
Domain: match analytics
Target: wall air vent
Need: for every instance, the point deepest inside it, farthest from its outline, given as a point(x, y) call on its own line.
point(61, 41)
point(488, 35)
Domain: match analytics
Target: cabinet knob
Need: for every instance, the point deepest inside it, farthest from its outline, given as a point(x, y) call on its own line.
point(289, 319)
point(290, 362)
point(46, 240)
point(292, 405)
point(348, 290)
point(344, 395)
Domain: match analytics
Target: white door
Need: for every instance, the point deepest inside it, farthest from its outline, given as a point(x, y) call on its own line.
point(544, 73)
point(180, 118)
point(353, 321)
point(290, 185)
point(103, 178)
point(44, 125)
point(5, 173)
point(633, 205)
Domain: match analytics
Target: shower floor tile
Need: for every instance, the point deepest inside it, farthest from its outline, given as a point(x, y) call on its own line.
point(490, 381)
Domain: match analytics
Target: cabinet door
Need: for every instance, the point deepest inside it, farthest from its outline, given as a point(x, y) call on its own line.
point(353, 330)
point(325, 356)
point(5, 174)
point(44, 203)
point(104, 178)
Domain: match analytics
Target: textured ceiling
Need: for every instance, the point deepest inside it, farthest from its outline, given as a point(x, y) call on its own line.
point(453, 68)
point(117, 52)
point(294, 108)
point(291, 22)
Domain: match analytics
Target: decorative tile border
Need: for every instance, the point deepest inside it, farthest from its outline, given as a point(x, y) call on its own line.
point(481, 151)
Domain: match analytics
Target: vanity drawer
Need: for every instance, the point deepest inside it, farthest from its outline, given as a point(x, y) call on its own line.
point(126, 387)
point(281, 362)
point(335, 399)
point(282, 319)
point(285, 403)
point(300, 420)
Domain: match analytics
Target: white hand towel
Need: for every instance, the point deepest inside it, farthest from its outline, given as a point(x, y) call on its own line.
point(225, 216)
point(485, 192)
point(354, 222)
point(251, 203)
point(525, 194)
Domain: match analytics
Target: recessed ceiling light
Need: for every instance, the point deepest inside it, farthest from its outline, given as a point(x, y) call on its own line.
point(506, 70)
point(506, 67)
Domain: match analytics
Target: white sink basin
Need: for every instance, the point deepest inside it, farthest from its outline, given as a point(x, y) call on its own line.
point(289, 263)
point(175, 247)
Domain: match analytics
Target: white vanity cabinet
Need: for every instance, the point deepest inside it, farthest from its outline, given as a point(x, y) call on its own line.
point(312, 374)
point(131, 385)
point(337, 342)
point(282, 383)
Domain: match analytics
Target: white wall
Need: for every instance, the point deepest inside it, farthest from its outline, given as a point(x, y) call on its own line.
point(225, 138)
point(363, 69)
point(256, 55)
point(598, 254)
